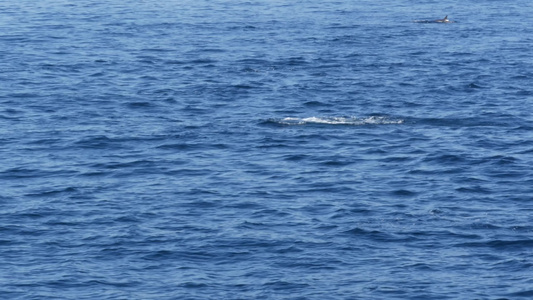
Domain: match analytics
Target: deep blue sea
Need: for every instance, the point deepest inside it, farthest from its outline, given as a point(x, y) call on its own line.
point(266, 149)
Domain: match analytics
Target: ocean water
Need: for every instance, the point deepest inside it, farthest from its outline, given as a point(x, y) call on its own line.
point(217, 149)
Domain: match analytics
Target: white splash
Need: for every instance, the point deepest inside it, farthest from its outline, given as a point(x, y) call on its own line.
point(372, 120)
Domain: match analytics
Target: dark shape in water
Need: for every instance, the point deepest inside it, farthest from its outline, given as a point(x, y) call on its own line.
point(443, 20)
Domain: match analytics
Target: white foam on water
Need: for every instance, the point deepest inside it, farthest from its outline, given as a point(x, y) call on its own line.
point(372, 120)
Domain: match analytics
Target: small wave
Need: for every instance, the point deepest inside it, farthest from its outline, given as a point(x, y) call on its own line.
point(372, 120)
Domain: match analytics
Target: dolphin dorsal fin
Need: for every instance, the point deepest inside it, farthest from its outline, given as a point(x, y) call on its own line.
point(446, 18)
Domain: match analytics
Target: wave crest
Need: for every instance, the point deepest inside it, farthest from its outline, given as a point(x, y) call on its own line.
point(371, 120)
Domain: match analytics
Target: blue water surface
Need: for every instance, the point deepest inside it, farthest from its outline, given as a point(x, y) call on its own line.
point(217, 149)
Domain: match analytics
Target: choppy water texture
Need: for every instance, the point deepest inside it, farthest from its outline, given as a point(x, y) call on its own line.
point(266, 150)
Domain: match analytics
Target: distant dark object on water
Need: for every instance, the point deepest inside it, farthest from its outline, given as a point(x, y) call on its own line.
point(443, 20)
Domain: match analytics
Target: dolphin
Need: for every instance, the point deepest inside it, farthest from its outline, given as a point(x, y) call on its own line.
point(445, 20)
